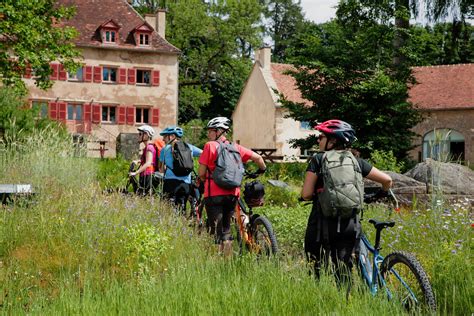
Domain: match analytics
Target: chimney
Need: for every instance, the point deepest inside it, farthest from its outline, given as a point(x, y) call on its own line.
point(157, 21)
point(263, 56)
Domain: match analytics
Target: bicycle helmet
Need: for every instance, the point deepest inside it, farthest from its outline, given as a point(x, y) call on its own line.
point(254, 193)
point(170, 130)
point(219, 122)
point(147, 129)
point(338, 129)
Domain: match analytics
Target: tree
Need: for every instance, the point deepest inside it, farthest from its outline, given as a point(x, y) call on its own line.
point(30, 40)
point(285, 19)
point(345, 69)
point(216, 39)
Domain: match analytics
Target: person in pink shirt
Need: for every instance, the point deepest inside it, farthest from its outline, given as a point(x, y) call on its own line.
point(147, 160)
point(220, 203)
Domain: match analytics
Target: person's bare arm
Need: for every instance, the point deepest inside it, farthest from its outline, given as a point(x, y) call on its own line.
point(381, 177)
point(258, 160)
point(308, 186)
point(202, 172)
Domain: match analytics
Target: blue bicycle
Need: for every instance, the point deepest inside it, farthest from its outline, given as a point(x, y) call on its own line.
point(399, 274)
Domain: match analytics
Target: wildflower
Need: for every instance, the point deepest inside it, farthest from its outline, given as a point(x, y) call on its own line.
point(453, 251)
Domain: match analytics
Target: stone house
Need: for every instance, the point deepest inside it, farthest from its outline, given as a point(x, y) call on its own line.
point(259, 120)
point(445, 96)
point(129, 75)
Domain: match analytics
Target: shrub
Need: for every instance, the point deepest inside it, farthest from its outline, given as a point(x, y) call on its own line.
point(385, 160)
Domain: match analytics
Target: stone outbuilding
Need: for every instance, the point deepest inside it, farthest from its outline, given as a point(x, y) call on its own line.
point(129, 75)
point(445, 96)
point(259, 120)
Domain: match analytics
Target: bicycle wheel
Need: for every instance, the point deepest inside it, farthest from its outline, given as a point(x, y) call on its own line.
point(263, 238)
point(407, 282)
point(237, 243)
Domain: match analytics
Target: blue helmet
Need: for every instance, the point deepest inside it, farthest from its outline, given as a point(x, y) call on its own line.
point(170, 130)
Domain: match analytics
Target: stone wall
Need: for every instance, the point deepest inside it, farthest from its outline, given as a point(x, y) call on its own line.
point(461, 121)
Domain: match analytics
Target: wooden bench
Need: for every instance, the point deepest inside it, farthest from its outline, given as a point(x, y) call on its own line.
point(268, 154)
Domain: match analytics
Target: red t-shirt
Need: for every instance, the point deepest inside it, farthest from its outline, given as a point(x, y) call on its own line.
point(151, 169)
point(208, 158)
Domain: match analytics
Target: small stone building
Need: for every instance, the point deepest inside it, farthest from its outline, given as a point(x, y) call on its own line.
point(129, 76)
point(445, 96)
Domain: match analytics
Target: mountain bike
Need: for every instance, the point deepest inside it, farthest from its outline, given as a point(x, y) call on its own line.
point(252, 232)
point(399, 274)
point(133, 185)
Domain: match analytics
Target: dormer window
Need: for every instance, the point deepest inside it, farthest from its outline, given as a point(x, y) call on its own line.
point(142, 35)
point(109, 32)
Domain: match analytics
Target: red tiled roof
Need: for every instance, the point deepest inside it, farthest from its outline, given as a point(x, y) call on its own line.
point(91, 14)
point(286, 84)
point(443, 87)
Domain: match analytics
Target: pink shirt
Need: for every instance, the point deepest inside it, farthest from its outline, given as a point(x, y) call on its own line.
point(208, 158)
point(151, 169)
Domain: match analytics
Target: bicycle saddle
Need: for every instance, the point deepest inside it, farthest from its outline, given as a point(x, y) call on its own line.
point(381, 224)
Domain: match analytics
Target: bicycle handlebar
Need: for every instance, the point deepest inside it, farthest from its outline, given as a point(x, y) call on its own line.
point(380, 194)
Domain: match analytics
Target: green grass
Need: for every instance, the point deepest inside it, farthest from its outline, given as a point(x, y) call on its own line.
point(73, 249)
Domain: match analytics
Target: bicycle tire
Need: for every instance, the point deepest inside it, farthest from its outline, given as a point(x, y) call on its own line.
point(263, 238)
point(237, 243)
point(412, 273)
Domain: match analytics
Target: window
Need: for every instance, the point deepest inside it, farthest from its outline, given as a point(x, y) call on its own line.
point(144, 39)
point(74, 112)
point(141, 115)
point(143, 76)
point(108, 114)
point(109, 74)
point(75, 76)
point(443, 145)
point(109, 36)
point(41, 107)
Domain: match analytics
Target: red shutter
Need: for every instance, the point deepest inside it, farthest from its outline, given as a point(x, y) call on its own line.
point(53, 110)
point(155, 77)
point(96, 113)
point(54, 75)
point(121, 115)
point(131, 76)
point(97, 74)
point(27, 73)
point(88, 73)
point(122, 75)
point(131, 115)
point(62, 110)
point(87, 112)
point(62, 73)
point(155, 117)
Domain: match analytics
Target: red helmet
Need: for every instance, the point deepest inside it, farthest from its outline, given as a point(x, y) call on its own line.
point(338, 129)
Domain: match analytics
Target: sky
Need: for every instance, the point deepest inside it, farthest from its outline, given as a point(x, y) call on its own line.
point(319, 11)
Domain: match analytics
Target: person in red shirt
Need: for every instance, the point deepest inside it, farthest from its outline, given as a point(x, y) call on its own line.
point(220, 203)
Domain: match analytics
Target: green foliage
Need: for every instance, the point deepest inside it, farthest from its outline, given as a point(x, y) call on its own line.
point(29, 38)
point(195, 133)
point(112, 173)
point(216, 39)
point(17, 119)
point(386, 161)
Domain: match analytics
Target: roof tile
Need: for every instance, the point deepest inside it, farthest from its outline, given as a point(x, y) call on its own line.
point(286, 84)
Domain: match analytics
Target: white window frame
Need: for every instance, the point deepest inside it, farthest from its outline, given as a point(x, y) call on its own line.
point(142, 115)
point(109, 76)
point(107, 108)
point(74, 113)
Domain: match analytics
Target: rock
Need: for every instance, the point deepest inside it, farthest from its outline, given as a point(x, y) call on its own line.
point(279, 184)
point(448, 178)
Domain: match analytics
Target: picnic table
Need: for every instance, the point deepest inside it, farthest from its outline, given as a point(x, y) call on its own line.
point(268, 154)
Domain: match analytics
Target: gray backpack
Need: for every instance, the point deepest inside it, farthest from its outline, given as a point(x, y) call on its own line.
point(343, 192)
point(229, 170)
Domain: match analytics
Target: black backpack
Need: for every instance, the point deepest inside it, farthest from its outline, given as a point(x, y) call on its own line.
point(183, 163)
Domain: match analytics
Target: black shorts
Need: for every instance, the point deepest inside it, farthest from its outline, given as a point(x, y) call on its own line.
point(219, 214)
point(176, 189)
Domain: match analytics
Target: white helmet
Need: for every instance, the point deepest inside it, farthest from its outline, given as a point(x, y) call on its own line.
point(219, 122)
point(147, 129)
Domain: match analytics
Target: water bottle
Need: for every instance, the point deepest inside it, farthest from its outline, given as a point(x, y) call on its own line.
point(245, 219)
point(365, 260)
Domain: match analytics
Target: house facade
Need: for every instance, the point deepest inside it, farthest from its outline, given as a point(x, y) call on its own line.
point(259, 120)
point(445, 96)
point(129, 75)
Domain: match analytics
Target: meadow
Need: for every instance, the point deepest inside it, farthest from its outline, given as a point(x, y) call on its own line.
point(77, 248)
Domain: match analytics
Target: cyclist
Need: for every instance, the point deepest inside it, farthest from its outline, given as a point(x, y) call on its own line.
point(147, 160)
point(220, 203)
point(327, 237)
point(177, 188)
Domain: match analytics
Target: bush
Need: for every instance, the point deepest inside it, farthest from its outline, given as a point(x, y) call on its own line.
point(385, 160)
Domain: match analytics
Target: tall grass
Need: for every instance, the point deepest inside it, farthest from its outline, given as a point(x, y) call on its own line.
point(73, 249)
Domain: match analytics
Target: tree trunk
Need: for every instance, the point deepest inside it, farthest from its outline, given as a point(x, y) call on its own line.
point(402, 23)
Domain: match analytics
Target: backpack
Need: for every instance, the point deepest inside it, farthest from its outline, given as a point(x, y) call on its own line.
point(183, 163)
point(159, 144)
point(343, 192)
point(229, 170)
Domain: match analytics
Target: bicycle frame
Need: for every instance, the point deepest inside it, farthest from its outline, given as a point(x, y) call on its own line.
point(239, 209)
